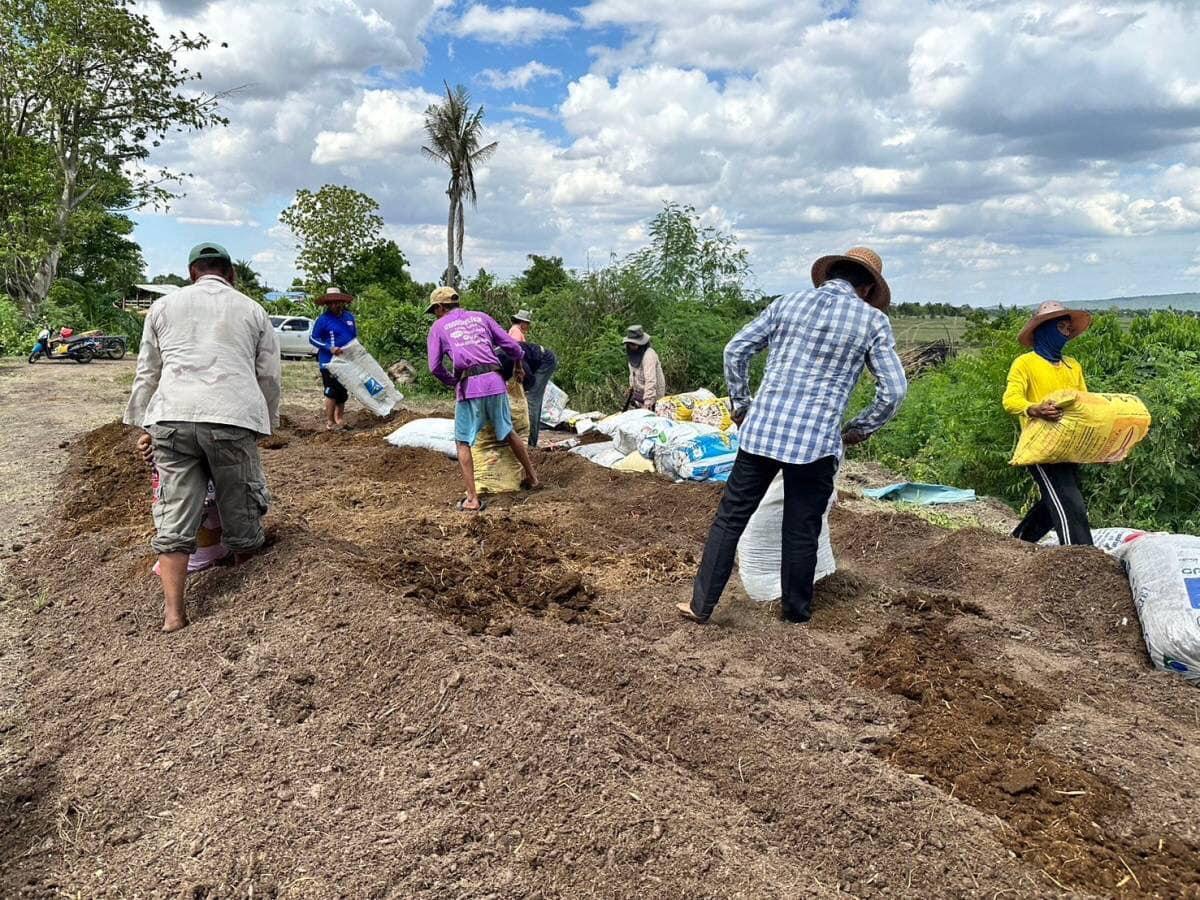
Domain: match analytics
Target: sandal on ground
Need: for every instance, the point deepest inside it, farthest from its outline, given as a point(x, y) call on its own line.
point(461, 506)
point(685, 610)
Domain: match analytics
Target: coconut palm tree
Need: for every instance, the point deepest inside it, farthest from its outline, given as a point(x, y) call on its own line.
point(454, 133)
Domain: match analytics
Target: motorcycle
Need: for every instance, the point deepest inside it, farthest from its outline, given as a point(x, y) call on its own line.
point(80, 349)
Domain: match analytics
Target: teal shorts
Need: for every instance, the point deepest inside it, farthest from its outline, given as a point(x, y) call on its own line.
point(472, 416)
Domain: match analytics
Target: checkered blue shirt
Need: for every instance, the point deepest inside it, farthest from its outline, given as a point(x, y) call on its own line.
point(818, 342)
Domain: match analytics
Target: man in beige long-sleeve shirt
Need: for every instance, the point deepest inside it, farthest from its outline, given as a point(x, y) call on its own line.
point(647, 383)
point(207, 386)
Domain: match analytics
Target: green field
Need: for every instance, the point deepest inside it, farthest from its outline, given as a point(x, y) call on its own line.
point(912, 331)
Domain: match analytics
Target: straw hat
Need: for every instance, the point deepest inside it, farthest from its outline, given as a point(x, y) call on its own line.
point(636, 334)
point(1081, 320)
point(442, 296)
point(869, 260)
point(333, 295)
point(524, 316)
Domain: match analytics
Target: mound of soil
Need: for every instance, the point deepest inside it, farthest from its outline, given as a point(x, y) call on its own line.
point(397, 699)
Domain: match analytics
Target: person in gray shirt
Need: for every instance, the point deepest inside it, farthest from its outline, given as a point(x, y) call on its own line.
point(207, 387)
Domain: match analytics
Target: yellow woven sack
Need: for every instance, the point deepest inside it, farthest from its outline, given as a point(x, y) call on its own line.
point(634, 462)
point(713, 412)
point(497, 470)
point(678, 407)
point(1094, 428)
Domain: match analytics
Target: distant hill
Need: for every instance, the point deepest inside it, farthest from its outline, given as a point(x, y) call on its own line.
point(1190, 302)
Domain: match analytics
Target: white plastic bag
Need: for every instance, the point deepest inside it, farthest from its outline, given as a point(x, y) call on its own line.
point(610, 424)
point(630, 434)
point(1107, 539)
point(1164, 573)
point(696, 452)
point(358, 372)
point(426, 434)
point(602, 454)
point(760, 551)
point(554, 405)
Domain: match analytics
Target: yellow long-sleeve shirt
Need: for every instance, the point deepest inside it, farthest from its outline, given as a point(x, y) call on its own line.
point(1032, 379)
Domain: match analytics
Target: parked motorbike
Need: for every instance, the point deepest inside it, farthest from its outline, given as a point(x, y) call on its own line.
point(80, 349)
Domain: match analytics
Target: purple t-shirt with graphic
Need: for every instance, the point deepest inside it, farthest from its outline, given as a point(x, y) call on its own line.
point(469, 337)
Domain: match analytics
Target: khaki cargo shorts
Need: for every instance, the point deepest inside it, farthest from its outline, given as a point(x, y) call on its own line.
point(187, 454)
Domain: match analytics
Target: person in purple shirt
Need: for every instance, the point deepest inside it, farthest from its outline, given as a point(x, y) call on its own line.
point(469, 338)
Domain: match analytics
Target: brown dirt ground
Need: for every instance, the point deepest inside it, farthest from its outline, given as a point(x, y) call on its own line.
point(398, 700)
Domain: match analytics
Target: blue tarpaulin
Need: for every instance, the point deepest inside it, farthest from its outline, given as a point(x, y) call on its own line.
point(924, 494)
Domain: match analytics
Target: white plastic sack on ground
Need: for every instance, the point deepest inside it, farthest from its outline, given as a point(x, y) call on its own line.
point(1107, 539)
point(628, 437)
point(426, 434)
point(554, 405)
point(760, 551)
point(610, 424)
point(660, 432)
point(602, 454)
point(358, 372)
point(708, 456)
point(1164, 573)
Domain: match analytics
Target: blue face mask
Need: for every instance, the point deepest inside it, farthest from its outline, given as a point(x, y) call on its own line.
point(1048, 341)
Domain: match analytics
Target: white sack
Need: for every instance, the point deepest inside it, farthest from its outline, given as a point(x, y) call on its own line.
point(760, 551)
point(602, 454)
point(1107, 539)
point(426, 434)
point(554, 405)
point(358, 372)
point(1164, 573)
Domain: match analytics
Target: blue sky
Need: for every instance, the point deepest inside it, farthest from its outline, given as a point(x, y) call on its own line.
point(990, 150)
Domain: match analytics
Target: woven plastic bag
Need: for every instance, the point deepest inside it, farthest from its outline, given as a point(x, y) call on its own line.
point(760, 550)
point(357, 371)
point(708, 456)
point(1094, 428)
point(426, 434)
point(497, 470)
point(678, 407)
point(716, 412)
point(602, 454)
point(1164, 574)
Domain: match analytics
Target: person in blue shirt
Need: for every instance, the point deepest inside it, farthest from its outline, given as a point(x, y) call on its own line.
point(333, 330)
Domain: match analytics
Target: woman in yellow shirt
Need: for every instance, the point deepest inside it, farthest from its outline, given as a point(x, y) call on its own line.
point(1032, 378)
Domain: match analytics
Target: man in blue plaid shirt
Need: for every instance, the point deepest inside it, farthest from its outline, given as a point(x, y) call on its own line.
point(818, 342)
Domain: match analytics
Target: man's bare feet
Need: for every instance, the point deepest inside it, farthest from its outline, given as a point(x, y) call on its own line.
point(174, 623)
point(531, 484)
point(685, 610)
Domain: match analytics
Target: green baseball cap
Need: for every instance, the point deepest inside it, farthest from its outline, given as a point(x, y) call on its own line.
point(208, 250)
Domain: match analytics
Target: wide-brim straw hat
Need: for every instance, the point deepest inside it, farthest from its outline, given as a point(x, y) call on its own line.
point(442, 296)
point(869, 260)
point(1081, 320)
point(523, 316)
point(636, 334)
point(333, 295)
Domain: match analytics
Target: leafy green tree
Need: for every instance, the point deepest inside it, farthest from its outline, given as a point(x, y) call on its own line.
point(690, 261)
point(543, 272)
point(249, 282)
point(383, 265)
point(333, 227)
point(170, 278)
point(454, 134)
point(91, 82)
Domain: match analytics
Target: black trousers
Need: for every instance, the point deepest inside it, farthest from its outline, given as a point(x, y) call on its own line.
point(806, 492)
point(1062, 507)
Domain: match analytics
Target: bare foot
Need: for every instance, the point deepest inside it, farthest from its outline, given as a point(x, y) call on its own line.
point(685, 610)
point(173, 623)
point(531, 484)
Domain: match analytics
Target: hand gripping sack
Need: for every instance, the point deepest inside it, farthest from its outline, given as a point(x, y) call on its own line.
point(678, 407)
point(497, 470)
point(426, 434)
point(760, 551)
point(358, 372)
point(1094, 428)
point(1164, 574)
